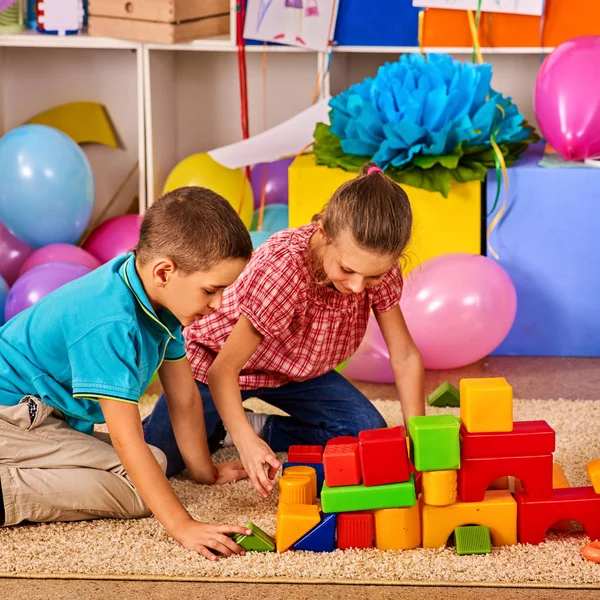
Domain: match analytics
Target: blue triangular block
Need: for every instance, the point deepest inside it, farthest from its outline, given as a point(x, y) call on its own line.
point(321, 538)
point(318, 467)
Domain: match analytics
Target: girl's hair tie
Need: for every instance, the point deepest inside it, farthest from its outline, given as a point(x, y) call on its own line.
point(374, 170)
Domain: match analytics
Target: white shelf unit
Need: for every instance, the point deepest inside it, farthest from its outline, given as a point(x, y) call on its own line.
point(169, 101)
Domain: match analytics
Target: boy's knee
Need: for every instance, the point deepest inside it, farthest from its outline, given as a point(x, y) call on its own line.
point(160, 457)
point(362, 420)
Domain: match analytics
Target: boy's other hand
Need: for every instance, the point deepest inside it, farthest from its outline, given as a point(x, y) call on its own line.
point(199, 537)
point(230, 471)
point(255, 454)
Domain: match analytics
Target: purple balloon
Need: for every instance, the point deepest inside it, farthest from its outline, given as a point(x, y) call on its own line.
point(113, 237)
point(567, 98)
point(60, 253)
point(276, 190)
point(4, 4)
point(39, 282)
point(13, 253)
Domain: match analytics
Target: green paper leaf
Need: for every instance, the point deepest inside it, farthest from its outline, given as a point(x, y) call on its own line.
point(449, 161)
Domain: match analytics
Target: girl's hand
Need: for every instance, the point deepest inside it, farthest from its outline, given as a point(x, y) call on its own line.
point(199, 537)
point(230, 471)
point(255, 454)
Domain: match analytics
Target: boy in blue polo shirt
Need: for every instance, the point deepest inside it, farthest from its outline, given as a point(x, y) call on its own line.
point(84, 355)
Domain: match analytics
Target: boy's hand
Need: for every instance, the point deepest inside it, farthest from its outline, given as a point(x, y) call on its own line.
point(199, 537)
point(230, 471)
point(255, 453)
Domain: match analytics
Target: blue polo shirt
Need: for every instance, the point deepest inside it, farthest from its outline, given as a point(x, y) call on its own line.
point(95, 337)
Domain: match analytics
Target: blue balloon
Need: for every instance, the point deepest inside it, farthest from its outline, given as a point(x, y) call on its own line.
point(46, 186)
point(258, 237)
point(3, 295)
point(275, 218)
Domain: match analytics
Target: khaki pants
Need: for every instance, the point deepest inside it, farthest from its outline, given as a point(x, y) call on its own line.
point(52, 472)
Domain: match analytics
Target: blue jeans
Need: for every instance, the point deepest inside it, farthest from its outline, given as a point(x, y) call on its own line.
point(320, 409)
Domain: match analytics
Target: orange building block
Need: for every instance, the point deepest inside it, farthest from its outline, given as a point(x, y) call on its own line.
point(593, 471)
point(295, 489)
point(307, 472)
point(439, 487)
point(293, 522)
point(398, 528)
point(563, 20)
point(486, 405)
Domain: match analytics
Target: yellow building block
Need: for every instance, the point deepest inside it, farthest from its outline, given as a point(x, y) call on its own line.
point(593, 471)
point(559, 481)
point(306, 471)
point(439, 487)
point(486, 405)
point(295, 489)
point(293, 522)
point(498, 511)
point(398, 528)
point(440, 225)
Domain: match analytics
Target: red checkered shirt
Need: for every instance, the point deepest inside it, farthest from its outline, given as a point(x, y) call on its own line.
point(307, 329)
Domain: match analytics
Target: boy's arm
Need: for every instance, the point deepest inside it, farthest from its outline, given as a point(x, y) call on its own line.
point(406, 362)
point(125, 428)
point(223, 375)
point(187, 418)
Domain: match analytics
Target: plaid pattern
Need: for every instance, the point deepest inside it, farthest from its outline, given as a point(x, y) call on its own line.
point(307, 329)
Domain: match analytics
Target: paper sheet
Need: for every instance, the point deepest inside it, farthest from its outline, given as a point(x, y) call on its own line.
point(518, 7)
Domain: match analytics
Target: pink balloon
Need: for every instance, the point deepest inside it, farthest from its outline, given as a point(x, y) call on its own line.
point(60, 253)
point(458, 308)
point(567, 98)
point(13, 253)
point(113, 237)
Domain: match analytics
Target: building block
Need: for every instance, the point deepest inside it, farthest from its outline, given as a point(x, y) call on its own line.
point(445, 395)
point(498, 511)
point(398, 528)
point(593, 471)
point(305, 454)
point(318, 467)
point(476, 474)
point(342, 464)
point(358, 497)
point(304, 471)
point(528, 438)
point(259, 541)
point(293, 522)
point(418, 478)
point(434, 444)
point(295, 489)
point(486, 404)
point(537, 515)
point(472, 539)
point(343, 439)
point(383, 456)
point(321, 538)
point(559, 482)
point(355, 530)
point(439, 487)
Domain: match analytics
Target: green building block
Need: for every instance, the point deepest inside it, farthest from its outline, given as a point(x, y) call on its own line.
point(358, 497)
point(259, 541)
point(472, 539)
point(445, 395)
point(434, 444)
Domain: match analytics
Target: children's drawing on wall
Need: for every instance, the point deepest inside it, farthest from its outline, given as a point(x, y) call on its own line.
point(304, 23)
point(519, 7)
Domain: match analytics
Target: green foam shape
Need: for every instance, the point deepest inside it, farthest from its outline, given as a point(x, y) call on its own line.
point(434, 443)
point(259, 541)
point(351, 498)
point(472, 539)
point(445, 395)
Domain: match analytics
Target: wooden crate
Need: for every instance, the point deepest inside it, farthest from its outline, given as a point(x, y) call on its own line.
point(159, 21)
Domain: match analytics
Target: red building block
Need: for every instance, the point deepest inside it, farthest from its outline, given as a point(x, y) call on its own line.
point(305, 454)
point(355, 530)
point(476, 474)
point(528, 438)
point(344, 439)
point(342, 464)
point(383, 456)
point(536, 516)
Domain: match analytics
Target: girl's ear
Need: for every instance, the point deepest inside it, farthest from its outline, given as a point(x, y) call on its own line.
point(321, 231)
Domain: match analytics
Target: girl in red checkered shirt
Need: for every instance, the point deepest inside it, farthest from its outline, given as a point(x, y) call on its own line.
point(299, 309)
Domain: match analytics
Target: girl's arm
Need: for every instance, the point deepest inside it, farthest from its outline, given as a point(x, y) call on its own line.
point(406, 362)
point(223, 375)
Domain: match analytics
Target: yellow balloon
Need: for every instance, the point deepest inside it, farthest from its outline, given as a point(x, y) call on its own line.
point(201, 170)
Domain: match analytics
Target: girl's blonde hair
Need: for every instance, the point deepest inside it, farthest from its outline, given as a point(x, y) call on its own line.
point(374, 209)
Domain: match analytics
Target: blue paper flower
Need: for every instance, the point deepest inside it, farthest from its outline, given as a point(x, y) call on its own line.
point(419, 106)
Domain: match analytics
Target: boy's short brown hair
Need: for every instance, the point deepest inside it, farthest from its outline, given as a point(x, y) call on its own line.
point(195, 228)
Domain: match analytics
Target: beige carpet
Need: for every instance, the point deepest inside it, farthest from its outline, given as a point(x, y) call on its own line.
point(142, 550)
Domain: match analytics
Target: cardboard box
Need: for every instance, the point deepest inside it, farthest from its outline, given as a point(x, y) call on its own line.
point(440, 225)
